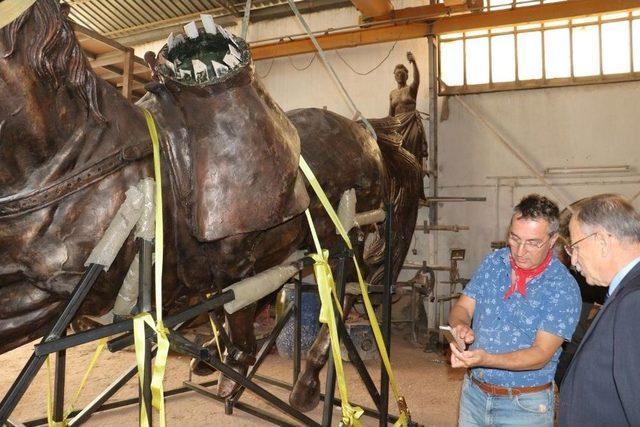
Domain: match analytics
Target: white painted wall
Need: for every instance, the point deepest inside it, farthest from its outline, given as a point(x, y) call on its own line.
point(559, 127)
point(313, 87)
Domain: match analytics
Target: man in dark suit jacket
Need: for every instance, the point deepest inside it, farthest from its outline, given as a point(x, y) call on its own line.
point(602, 384)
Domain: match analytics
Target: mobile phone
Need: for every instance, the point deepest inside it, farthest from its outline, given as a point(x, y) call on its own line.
point(452, 337)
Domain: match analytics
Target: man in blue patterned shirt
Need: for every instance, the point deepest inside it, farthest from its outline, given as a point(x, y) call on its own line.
point(523, 303)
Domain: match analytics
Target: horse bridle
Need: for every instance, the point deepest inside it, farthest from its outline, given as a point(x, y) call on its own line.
point(23, 203)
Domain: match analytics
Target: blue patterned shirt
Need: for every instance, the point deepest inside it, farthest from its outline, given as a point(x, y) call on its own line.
point(552, 304)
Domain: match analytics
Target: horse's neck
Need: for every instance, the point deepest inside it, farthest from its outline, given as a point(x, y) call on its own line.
point(45, 135)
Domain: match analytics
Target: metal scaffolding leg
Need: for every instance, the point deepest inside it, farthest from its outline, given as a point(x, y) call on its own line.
point(182, 345)
point(144, 306)
point(34, 363)
point(58, 391)
point(330, 385)
point(297, 328)
point(264, 352)
point(386, 314)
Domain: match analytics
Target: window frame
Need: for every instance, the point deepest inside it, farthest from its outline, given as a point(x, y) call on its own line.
point(544, 82)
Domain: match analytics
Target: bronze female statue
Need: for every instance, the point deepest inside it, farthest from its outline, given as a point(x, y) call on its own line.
point(71, 145)
point(402, 105)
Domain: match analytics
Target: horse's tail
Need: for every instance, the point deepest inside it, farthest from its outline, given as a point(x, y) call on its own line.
point(404, 188)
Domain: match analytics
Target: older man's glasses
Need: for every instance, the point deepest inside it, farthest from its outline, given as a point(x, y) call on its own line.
point(529, 244)
point(570, 249)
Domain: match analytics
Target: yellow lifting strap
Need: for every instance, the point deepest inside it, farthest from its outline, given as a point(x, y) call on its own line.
point(321, 258)
point(83, 383)
point(326, 287)
point(160, 361)
point(216, 334)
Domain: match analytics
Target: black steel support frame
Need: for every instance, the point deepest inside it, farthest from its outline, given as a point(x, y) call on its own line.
point(330, 383)
point(55, 341)
point(145, 284)
point(35, 362)
point(386, 313)
point(186, 347)
point(380, 399)
point(58, 390)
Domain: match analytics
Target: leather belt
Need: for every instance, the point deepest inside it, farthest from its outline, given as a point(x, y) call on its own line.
point(506, 391)
point(23, 203)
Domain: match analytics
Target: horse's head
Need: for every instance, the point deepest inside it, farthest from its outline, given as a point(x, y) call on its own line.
point(40, 56)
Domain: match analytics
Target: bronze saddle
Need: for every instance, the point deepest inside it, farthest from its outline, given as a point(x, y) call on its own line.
point(232, 154)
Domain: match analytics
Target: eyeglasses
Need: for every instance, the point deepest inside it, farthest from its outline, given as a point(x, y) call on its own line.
point(570, 249)
point(529, 244)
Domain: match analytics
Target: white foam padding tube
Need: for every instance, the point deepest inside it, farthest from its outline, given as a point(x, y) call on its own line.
point(128, 294)
point(370, 217)
point(145, 228)
point(347, 210)
point(121, 225)
point(295, 256)
point(250, 290)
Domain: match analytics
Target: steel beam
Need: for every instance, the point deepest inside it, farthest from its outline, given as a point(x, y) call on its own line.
point(531, 14)
point(161, 29)
point(411, 23)
point(372, 8)
point(340, 40)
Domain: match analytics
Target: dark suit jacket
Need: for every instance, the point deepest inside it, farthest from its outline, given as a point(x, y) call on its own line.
point(602, 384)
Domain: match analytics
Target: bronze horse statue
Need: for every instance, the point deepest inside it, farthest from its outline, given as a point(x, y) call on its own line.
point(71, 145)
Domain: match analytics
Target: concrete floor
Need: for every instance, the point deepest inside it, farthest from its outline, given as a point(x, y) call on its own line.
point(430, 386)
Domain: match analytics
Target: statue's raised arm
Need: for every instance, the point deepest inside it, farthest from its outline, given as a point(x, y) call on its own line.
point(413, 89)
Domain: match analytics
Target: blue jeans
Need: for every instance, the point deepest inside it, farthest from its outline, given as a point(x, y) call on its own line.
point(478, 408)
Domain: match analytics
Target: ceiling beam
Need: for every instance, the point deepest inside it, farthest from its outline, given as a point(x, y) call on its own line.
point(424, 20)
point(371, 8)
point(531, 14)
point(431, 11)
point(343, 39)
point(111, 73)
point(109, 58)
point(83, 34)
point(158, 30)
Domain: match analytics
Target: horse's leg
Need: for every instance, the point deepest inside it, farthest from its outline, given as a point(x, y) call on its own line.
point(240, 326)
point(305, 395)
point(200, 368)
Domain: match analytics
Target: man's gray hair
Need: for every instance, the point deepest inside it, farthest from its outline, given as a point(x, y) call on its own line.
point(611, 212)
point(537, 207)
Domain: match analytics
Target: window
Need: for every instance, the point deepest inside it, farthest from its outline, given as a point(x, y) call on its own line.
point(559, 53)
point(508, 4)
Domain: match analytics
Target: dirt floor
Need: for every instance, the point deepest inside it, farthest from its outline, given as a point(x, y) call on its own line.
point(430, 386)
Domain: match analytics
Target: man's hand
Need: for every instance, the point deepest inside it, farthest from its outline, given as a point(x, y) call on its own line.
point(526, 359)
point(410, 57)
point(467, 359)
point(464, 332)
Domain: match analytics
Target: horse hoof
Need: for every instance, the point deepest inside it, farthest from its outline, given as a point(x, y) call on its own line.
point(226, 386)
point(199, 368)
point(305, 395)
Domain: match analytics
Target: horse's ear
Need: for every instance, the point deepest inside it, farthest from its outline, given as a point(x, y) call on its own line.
point(65, 10)
point(152, 61)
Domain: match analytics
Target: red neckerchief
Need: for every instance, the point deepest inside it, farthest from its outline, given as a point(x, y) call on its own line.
point(522, 275)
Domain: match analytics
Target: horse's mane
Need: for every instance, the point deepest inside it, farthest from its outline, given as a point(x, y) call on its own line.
point(54, 53)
